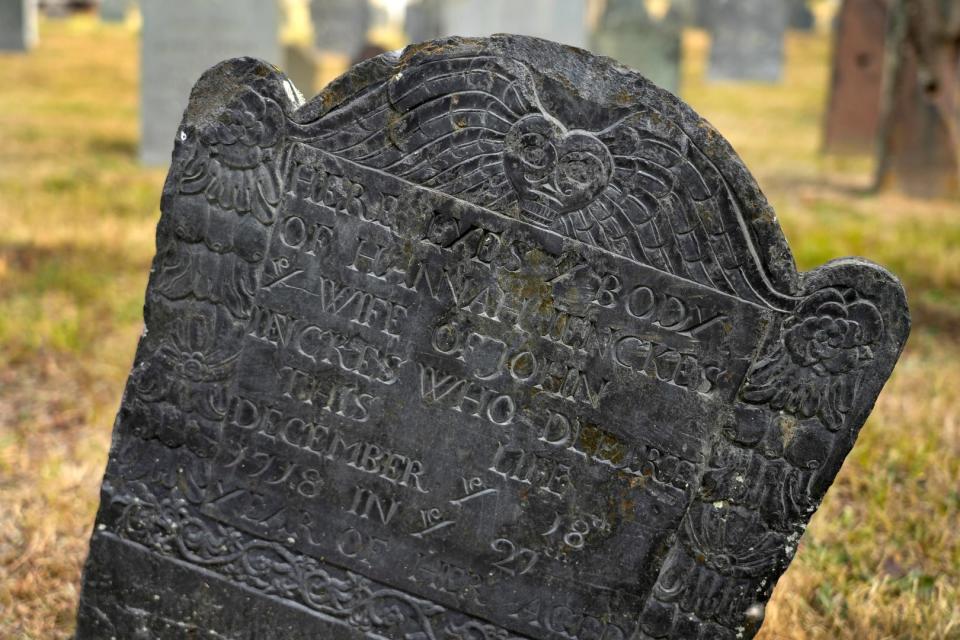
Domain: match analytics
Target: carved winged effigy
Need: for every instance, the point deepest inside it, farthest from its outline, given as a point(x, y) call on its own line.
point(492, 339)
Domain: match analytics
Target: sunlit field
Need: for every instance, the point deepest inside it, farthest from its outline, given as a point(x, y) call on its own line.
point(77, 216)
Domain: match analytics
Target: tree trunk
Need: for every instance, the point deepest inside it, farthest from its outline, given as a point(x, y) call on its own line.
point(856, 87)
point(919, 150)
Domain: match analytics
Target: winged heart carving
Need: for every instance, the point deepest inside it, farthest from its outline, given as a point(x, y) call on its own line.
point(475, 128)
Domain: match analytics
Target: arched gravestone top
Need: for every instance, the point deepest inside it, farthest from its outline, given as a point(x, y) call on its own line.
point(491, 339)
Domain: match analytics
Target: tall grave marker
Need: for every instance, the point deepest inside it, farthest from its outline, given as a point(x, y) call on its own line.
point(801, 17)
point(182, 38)
point(747, 40)
point(18, 25)
point(340, 26)
point(115, 10)
point(489, 340)
point(564, 21)
point(629, 33)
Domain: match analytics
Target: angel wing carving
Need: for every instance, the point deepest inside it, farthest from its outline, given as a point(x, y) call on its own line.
point(475, 128)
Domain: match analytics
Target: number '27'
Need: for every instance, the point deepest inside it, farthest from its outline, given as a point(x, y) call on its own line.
point(516, 561)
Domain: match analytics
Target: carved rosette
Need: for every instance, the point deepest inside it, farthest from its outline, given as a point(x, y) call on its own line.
point(814, 369)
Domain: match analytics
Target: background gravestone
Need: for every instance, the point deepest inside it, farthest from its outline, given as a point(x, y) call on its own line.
point(630, 35)
point(423, 20)
point(747, 40)
point(18, 24)
point(182, 38)
point(490, 340)
point(856, 86)
point(114, 10)
point(563, 21)
point(801, 17)
point(340, 26)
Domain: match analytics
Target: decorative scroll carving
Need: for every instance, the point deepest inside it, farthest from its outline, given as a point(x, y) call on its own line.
point(170, 526)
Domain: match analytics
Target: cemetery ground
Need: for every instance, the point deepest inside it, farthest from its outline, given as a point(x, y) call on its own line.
point(77, 216)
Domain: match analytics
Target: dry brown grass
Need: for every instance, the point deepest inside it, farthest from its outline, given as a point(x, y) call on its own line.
point(881, 558)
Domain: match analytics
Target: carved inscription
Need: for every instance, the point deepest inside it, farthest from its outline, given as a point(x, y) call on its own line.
point(394, 319)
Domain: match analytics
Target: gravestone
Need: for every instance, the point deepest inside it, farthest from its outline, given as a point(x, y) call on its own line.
point(628, 33)
point(856, 87)
point(423, 20)
point(490, 340)
point(182, 38)
point(564, 21)
point(340, 26)
point(18, 25)
point(747, 40)
point(801, 16)
point(114, 10)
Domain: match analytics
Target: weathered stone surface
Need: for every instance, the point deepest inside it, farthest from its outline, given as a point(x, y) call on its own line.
point(18, 24)
point(182, 38)
point(747, 40)
point(628, 33)
point(564, 21)
point(856, 88)
point(490, 340)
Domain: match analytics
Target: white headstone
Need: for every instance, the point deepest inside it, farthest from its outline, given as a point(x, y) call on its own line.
point(114, 10)
point(18, 24)
point(748, 40)
point(563, 21)
point(340, 26)
point(183, 38)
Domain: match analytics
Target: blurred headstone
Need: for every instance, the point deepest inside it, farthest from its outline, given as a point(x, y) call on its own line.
point(56, 8)
point(748, 40)
point(494, 342)
point(702, 13)
point(114, 10)
point(423, 20)
point(919, 139)
point(801, 16)
point(856, 86)
point(563, 21)
point(18, 25)
point(628, 33)
point(182, 38)
point(340, 26)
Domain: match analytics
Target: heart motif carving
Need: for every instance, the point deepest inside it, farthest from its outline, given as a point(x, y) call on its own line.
point(554, 170)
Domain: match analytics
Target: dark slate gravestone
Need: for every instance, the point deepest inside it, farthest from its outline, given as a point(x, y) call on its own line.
point(747, 40)
point(490, 340)
point(856, 88)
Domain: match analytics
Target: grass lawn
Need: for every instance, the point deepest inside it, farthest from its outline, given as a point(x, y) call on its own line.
point(77, 215)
